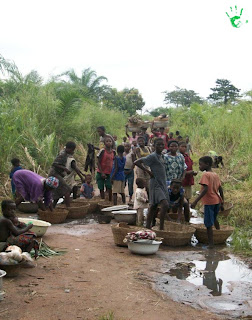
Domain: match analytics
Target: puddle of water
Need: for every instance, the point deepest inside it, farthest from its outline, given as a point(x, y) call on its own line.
point(214, 272)
point(91, 218)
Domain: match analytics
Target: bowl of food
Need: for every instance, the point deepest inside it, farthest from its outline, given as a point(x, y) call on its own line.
point(39, 226)
point(144, 247)
point(128, 216)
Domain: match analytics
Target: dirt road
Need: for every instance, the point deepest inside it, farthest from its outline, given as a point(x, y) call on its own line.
point(93, 278)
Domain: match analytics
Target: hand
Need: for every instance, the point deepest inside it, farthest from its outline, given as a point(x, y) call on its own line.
point(193, 205)
point(103, 175)
point(222, 206)
point(195, 173)
point(30, 225)
point(151, 174)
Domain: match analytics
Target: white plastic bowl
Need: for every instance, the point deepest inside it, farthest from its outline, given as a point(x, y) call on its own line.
point(128, 216)
point(115, 208)
point(144, 248)
point(39, 226)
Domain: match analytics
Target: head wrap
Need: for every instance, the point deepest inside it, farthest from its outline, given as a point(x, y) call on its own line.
point(52, 182)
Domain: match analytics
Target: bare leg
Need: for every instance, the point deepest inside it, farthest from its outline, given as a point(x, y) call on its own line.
point(216, 224)
point(75, 191)
point(67, 199)
point(150, 215)
point(34, 244)
point(210, 236)
point(110, 194)
point(102, 194)
point(123, 198)
point(140, 217)
point(55, 201)
point(186, 211)
point(115, 199)
point(164, 206)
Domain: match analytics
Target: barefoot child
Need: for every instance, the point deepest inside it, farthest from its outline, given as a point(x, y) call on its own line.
point(158, 189)
point(117, 175)
point(211, 195)
point(16, 233)
point(141, 201)
point(105, 163)
point(87, 189)
point(129, 168)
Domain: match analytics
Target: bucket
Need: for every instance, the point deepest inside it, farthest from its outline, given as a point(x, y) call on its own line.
point(2, 274)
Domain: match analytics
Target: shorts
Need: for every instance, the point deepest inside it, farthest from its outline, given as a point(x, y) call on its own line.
point(210, 214)
point(118, 186)
point(103, 182)
point(188, 192)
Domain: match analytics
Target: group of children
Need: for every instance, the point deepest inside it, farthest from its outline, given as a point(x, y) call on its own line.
point(164, 171)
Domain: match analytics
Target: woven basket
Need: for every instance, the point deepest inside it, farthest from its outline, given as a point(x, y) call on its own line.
point(92, 202)
point(219, 236)
point(57, 216)
point(175, 234)
point(78, 210)
point(227, 208)
point(145, 124)
point(104, 219)
point(161, 123)
point(120, 231)
point(28, 207)
point(134, 127)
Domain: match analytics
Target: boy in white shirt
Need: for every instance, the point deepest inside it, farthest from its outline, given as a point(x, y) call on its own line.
point(141, 200)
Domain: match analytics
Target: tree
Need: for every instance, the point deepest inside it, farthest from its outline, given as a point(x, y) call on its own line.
point(88, 84)
point(224, 92)
point(182, 97)
point(128, 100)
point(156, 112)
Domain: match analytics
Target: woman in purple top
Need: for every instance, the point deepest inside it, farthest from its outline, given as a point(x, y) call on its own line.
point(32, 187)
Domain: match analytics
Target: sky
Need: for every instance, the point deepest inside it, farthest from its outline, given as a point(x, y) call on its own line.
point(150, 45)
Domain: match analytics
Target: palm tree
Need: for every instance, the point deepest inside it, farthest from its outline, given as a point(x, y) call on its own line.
point(88, 84)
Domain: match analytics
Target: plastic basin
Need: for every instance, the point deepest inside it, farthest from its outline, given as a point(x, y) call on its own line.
point(128, 216)
point(39, 226)
point(144, 247)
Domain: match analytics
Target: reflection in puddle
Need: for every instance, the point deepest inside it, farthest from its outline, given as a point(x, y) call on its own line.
point(214, 272)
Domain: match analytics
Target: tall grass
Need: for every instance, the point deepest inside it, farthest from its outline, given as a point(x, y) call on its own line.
point(228, 131)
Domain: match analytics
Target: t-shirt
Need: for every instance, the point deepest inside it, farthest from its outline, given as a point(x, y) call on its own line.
point(189, 180)
point(106, 161)
point(129, 161)
point(174, 166)
point(140, 199)
point(61, 159)
point(212, 180)
point(131, 139)
point(119, 176)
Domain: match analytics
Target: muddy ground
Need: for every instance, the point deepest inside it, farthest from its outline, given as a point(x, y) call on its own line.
point(92, 279)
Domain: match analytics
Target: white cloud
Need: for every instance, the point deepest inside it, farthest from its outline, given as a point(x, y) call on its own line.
point(150, 45)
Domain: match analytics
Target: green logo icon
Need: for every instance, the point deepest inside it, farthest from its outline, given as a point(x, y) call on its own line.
point(236, 18)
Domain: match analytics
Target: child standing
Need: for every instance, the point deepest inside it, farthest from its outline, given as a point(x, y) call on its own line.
point(87, 189)
point(105, 163)
point(117, 175)
point(188, 146)
point(129, 168)
point(174, 163)
point(158, 190)
point(211, 195)
point(141, 201)
point(15, 167)
point(188, 181)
